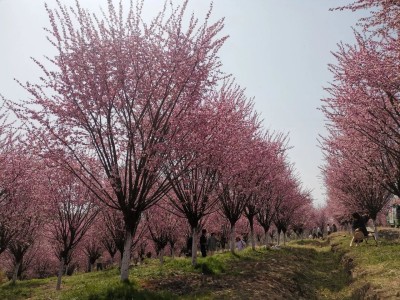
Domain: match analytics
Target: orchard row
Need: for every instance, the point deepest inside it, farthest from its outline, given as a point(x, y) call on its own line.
point(362, 149)
point(134, 139)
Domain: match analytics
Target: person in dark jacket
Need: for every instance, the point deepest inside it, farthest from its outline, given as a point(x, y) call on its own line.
point(203, 243)
point(358, 224)
point(212, 243)
point(189, 242)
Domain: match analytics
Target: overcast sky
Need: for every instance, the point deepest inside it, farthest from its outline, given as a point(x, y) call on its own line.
point(278, 50)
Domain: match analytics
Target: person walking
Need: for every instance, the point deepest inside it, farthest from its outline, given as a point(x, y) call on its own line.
point(319, 233)
point(314, 232)
point(212, 243)
point(240, 244)
point(328, 229)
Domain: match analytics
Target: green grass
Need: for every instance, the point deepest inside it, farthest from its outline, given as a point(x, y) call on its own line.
point(95, 285)
point(23, 289)
point(316, 269)
point(375, 266)
point(106, 284)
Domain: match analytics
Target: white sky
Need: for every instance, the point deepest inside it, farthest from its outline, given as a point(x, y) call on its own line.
point(278, 50)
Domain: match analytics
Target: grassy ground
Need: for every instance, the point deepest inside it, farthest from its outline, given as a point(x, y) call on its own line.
point(306, 269)
point(374, 270)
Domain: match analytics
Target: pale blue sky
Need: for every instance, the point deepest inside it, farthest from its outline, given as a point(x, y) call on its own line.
point(278, 50)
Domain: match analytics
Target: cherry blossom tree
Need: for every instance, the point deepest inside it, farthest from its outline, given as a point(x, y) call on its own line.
point(70, 210)
point(119, 87)
point(363, 102)
point(266, 158)
point(270, 195)
point(15, 171)
point(22, 242)
point(194, 176)
point(353, 181)
point(158, 230)
point(266, 212)
point(384, 15)
point(235, 170)
point(42, 264)
point(19, 221)
point(113, 232)
point(363, 116)
point(192, 198)
point(92, 246)
point(289, 204)
point(7, 140)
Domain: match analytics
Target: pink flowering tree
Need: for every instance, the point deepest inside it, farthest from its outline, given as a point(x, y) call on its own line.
point(289, 203)
point(19, 218)
point(15, 169)
point(92, 245)
point(237, 138)
point(162, 225)
point(118, 88)
point(352, 179)
point(269, 195)
point(194, 176)
point(266, 156)
point(113, 235)
point(26, 233)
point(384, 15)
point(364, 95)
point(362, 106)
point(266, 213)
point(362, 149)
point(112, 232)
point(70, 210)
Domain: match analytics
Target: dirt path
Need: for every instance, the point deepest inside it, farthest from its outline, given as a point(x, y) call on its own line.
point(288, 273)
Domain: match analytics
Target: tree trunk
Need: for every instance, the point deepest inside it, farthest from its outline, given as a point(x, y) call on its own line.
point(60, 273)
point(120, 259)
point(126, 257)
point(161, 256)
point(232, 235)
point(194, 246)
point(252, 239)
point(90, 267)
point(375, 230)
point(266, 238)
point(278, 238)
point(15, 273)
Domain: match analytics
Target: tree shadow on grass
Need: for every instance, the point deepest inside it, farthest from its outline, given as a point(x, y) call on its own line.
point(309, 271)
point(128, 291)
point(321, 273)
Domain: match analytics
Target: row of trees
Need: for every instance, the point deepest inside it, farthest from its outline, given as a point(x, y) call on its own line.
point(135, 134)
point(48, 214)
point(362, 149)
